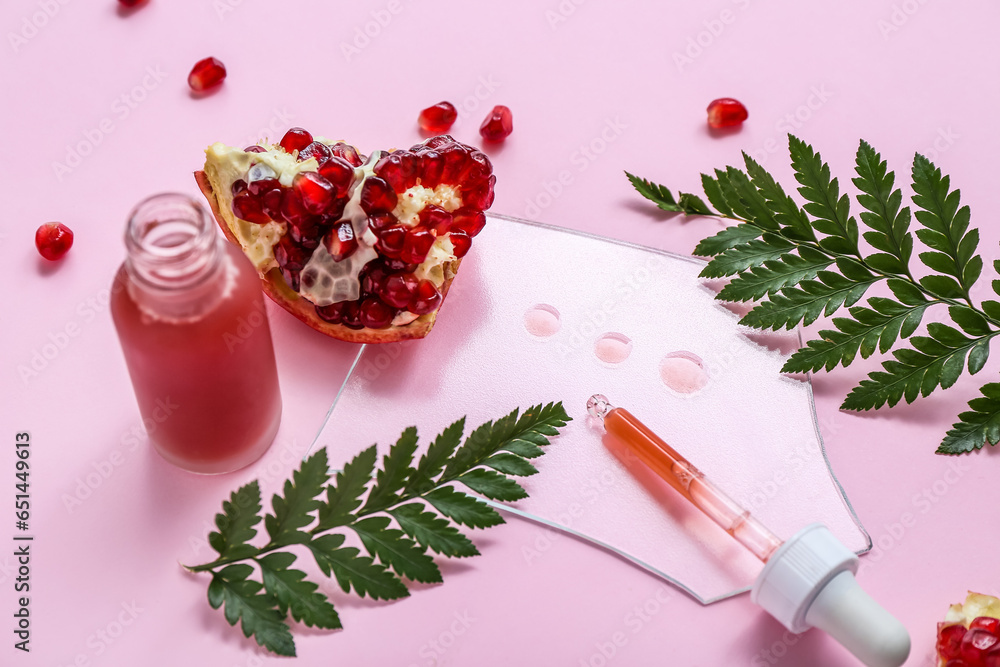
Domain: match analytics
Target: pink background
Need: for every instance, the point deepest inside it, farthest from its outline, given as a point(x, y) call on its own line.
point(903, 74)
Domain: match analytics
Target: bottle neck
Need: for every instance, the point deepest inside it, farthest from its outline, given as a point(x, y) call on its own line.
point(175, 257)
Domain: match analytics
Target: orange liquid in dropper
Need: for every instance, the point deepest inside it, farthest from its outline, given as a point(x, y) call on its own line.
point(674, 469)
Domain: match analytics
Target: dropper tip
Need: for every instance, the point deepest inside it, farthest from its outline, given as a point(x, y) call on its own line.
point(598, 406)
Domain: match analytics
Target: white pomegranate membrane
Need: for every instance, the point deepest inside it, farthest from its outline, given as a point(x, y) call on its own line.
point(369, 242)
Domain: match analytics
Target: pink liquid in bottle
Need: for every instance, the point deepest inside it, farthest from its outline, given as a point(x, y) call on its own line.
point(192, 325)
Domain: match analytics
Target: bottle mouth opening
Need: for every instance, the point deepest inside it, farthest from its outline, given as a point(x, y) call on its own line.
point(171, 241)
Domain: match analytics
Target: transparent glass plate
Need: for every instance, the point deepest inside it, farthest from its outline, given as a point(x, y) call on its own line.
point(540, 314)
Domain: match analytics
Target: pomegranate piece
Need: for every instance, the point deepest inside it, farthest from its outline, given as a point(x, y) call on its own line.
point(398, 289)
point(296, 139)
point(53, 240)
point(498, 124)
point(314, 190)
point(949, 639)
point(438, 118)
point(426, 298)
point(374, 314)
point(206, 74)
point(340, 241)
point(376, 196)
point(986, 623)
point(726, 112)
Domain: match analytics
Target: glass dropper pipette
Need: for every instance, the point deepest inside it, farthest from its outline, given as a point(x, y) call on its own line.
point(807, 580)
point(690, 482)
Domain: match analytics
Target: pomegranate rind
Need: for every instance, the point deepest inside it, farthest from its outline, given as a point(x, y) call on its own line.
point(975, 605)
point(277, 289)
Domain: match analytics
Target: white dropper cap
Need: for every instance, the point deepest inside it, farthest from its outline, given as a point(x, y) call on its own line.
point(809, 582)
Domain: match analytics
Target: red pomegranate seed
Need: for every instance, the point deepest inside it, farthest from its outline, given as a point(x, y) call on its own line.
point(399, 169)
point(271, 203)
point(262, 187)
point(372, 274)
point(397, 289)
point(431, 168)
point(391, 240)
point(399, 266)
point(53, 240)
point(456, 163)
point(438, 118)
point(291, 277)
point(375, 314)
point(986, 623)
point(249, 208)
point(289, 254)
point(316, 149)
point(315, 191)
point(426, 298)
point(949, 640)
point(992, 658)
point(481, 197)
point(351, 315)
point(379, 221)
point(975, 644)
point(340, 241)
point(376, 195)
point(340, 173)
point(418, 242)
point(726, 112)
point(332, 313)
point(255, 149)
point(206, 74)
point(436, 218)
point(468, 220)
point(461, 242)
point(295, 139)
point(237, 187)
point(348, 152)
point(498, 125)
point(479, 166)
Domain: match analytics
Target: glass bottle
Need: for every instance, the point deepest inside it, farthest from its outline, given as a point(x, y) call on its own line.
point(191, 322)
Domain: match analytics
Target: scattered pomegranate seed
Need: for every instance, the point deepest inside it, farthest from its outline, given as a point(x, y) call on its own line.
point(295, 139)
point(315, 191)
point(426, 298)
point(374, 314)
point(53, 240)
point(726, 112)
point(949, 641)
point(498, 125)
point(438, 118)
point(397, 290)
point(461, 242)
point(206, 74)
point(340, 241)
